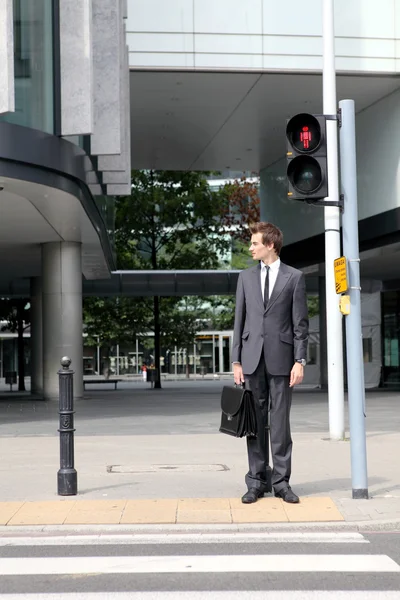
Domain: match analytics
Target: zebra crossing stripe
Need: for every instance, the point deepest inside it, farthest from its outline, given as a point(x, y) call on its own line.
point(339, 537)
point(211, 595)
point(277, 563)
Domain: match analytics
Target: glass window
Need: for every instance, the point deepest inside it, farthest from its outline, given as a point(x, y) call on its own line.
point(312, 353)
point(367, 349)
point(106, 206)
point(391, 338)
point(33, 65)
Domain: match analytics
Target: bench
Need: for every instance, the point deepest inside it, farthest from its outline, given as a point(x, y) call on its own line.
point(101, 382)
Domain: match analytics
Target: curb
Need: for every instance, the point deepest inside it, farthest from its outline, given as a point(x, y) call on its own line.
point(68, 530)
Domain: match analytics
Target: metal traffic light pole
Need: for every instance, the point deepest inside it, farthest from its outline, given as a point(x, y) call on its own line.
point(355, 361)
point(332, 235)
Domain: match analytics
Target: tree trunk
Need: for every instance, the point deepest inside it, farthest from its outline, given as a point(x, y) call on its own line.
point(187, 364)
point(157, 342)
point(21, 350)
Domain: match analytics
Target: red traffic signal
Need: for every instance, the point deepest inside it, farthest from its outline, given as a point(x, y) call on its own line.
point(307, 157)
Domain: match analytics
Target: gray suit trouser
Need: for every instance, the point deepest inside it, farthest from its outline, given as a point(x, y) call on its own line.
point(271, 392)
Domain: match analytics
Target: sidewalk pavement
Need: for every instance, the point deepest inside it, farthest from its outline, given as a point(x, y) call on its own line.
point(183, 478)
point(189, 479)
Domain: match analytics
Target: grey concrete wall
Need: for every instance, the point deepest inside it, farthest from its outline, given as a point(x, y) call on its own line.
point(259, 35)
point(106, 137)
point(116, 168)
point(119, 172)
point(7, 96)
point(76, 67)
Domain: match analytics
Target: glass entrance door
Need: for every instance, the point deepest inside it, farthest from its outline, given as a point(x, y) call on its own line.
point(391, 339)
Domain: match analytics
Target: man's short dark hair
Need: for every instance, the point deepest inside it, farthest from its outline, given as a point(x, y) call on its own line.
point(271, 234)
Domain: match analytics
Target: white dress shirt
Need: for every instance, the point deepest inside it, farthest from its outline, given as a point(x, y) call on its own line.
point(273, 274)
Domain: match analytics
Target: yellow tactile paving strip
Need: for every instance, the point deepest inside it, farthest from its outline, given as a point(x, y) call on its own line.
point(8, 510)
point(165, 511)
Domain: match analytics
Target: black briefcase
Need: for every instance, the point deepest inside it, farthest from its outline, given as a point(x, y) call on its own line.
point(238, 414)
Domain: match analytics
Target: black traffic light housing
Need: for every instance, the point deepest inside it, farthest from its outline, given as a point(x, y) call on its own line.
point(307, 167)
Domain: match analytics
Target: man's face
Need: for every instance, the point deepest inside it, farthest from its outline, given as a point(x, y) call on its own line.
point(259, 251)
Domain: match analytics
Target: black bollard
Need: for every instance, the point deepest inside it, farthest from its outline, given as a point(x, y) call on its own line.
point(67, 477)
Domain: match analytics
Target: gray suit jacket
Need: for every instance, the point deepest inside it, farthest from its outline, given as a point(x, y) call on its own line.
point(281, 329)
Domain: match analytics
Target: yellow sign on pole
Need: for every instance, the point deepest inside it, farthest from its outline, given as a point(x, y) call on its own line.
point(344, 305)
point(341, 282)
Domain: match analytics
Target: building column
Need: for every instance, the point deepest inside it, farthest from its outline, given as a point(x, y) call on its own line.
point(62, 314)
point(323, 347)
point(36, 336)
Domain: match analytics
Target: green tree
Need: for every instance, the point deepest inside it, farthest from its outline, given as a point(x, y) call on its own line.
point(16, 312)
point(185, 319)
point(108, 321)
point(222, 308)
point(242, 206)
point(313, 306)
point(171, 220)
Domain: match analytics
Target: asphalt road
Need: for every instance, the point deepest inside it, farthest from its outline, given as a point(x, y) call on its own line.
point(180, 407)
point(248, 563)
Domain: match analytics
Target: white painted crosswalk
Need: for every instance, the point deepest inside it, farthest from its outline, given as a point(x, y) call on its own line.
point(268, 563)
point(177, 566)
point(322, 537)
point(264, 595)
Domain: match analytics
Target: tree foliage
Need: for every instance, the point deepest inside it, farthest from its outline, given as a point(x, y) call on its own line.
point(313, 306)
point(173, 220)
point(241, 207)
point(111, 320)
point(182, 321)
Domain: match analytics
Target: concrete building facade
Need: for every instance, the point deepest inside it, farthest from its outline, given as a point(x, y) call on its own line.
point(64, 156)
point(215, 84)
point(210, 87)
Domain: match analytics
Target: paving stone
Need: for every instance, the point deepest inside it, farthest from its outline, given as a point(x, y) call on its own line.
point(8, 510)
point(203, 510)
point(43, 513)
point(150, 511)
point(98, 512)
point(313, 509)
point(265, 510)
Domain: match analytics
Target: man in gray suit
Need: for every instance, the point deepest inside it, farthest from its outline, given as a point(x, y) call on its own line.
point(269, 355)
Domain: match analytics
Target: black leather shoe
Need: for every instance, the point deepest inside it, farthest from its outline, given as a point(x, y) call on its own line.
point(288, 495)
point(252, 495)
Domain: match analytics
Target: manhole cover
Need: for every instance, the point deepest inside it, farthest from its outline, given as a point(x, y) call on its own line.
point(165, 468)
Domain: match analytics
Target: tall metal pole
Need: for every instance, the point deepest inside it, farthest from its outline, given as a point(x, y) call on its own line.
point(355, 362)
point(332, 236)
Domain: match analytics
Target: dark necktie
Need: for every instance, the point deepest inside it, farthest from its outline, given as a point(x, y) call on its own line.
point(266, 288)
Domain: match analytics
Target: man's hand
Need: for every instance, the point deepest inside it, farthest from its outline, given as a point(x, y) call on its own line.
point(296, 374)
point(238, 374)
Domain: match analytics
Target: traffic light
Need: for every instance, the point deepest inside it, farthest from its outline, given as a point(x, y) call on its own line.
point(307, 169)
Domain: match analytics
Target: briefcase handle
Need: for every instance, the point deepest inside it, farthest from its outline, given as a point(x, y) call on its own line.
point(243, 386)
